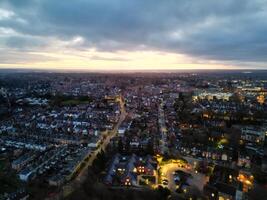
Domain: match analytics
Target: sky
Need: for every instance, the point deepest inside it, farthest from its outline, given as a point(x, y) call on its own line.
point(133, 34)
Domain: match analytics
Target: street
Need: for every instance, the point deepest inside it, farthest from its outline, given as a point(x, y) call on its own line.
point(68, 188)
point(82, 175)
point(163, 129)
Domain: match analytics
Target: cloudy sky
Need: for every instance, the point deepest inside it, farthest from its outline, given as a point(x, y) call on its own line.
point(133, 34)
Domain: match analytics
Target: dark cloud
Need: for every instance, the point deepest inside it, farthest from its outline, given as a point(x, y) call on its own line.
point(232, 30)
point(20, 42)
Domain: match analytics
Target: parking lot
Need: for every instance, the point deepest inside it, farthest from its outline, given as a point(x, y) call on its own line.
point(195, 178)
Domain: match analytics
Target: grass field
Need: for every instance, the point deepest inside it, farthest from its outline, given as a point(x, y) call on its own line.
point(73, 102)
point(69, 100)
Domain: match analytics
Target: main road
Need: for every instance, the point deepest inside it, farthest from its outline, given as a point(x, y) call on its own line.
point(83, 173)
point(163, 129)
point(68, 188)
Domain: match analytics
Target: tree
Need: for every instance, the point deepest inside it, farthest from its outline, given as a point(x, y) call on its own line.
point(260, 176)
point(120, 146)
point(150, 147)
point(163, 192)
point(193, 192)
point(257, 193)
point(100, 162)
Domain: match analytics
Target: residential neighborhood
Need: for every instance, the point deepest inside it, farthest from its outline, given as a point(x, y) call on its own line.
point(181, 135)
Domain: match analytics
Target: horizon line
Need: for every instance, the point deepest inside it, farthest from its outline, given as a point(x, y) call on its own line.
point(122, 71)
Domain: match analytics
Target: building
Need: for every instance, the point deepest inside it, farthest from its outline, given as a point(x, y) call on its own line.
point(22, 161)
point(26, 174)
point(56, 180)
point(210, 95)
point(254, 135)
point(131, 170)
point(224, 185)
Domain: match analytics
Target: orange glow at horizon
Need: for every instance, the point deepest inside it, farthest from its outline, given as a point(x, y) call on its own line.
point(120, 60)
